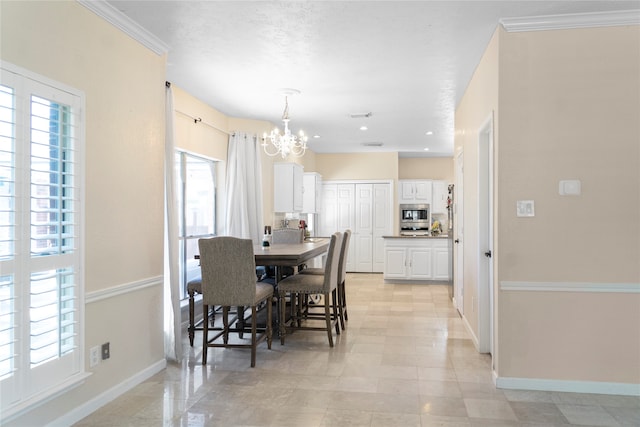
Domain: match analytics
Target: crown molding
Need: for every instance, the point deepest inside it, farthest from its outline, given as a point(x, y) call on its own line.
point(571, 21)
point(126, 25)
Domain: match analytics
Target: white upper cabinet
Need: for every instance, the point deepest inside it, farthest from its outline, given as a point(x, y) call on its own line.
point(415, 191)
point(311, 192)
point(287, 187)
point(439, 201)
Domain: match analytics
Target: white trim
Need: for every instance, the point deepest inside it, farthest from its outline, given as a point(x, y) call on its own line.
point(571, 21)
point(125, 24)
point(102, 399)
point(122, 289)
point(474, 338)
point(40, 399)
point(594, 387)
point(631, 288)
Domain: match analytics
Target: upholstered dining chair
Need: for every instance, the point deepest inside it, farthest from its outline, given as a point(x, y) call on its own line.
point(287, 235)
point(284, 236)
point(299, 286)
point(229, 279)
point(342, 276)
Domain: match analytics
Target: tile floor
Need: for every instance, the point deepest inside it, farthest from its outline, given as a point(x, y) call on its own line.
point(405, 359)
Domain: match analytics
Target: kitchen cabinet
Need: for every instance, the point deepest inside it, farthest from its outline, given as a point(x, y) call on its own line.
point(287, 187)
point(416, 258)
point(414, 191)
point(311, 192)
point(365, 209)
point(439, 197)
point(440, 259)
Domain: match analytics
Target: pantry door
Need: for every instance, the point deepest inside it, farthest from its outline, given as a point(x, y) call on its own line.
point(363, 231)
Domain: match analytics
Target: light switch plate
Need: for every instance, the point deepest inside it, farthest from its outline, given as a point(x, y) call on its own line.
point(525, 208)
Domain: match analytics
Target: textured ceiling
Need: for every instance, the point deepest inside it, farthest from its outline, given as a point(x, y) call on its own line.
point(406, 62)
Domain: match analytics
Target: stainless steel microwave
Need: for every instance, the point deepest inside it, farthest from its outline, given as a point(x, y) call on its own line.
point(414, 219)
point(414, 213)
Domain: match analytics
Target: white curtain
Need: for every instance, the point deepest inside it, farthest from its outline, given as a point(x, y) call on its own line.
point(172, 316)
point(244, 188)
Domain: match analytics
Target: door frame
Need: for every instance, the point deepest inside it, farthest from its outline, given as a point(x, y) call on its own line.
point(458, 232)
point(485, 236)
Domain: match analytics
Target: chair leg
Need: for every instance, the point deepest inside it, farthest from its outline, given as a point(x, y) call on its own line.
point(269, 322)
point(225, 324)
point(340, 311)
point(254, 328)
point(343, 291)
point(327, 315)
point(192, 327)
point(283, 307)
point(205, 330)
point(240, 312)
point(334, 305)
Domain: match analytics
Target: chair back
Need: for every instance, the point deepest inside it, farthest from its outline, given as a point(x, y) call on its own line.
point(344, 254)
point(287, 235)
point(331, 273)
point(228, 269)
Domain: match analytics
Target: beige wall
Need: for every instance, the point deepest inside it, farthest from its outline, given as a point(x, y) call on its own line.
point(569, 108)
point(437, 168)
point(566, 106)
point(124, 87)
point(357, 166)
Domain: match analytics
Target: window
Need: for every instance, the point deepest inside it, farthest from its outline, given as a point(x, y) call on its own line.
point(41, 289)
point(197, 201)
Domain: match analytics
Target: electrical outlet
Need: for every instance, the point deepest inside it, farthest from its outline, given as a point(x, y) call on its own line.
point(105, 351)
point(94, 356)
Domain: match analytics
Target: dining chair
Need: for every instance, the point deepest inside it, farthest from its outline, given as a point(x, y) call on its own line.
point(342, 276)
point(286, 236)
point(229, 279)
point(301, 285)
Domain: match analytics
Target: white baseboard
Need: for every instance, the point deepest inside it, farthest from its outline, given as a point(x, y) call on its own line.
point(474, 338)
point(107, 396)
point(592, 387)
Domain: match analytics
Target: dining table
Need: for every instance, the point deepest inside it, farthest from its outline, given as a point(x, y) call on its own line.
point(276, 255)
point(290, 254)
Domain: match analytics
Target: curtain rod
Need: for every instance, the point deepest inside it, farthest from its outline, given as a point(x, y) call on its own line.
point(199, 120)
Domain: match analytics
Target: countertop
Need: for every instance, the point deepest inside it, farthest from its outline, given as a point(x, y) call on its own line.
point(440, 236)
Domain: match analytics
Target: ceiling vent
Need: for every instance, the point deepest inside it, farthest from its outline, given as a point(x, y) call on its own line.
point(372, 144)
point(361, 115)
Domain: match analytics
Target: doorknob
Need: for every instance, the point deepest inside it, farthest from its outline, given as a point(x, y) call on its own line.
point(456, 241)
point(487, 254)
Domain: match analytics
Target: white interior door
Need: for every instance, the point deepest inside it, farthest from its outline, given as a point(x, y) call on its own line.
point(363, 232)
point(458, 232)
point(485, 237)
point(346, 218)
point(329, 210)
point(382, 223)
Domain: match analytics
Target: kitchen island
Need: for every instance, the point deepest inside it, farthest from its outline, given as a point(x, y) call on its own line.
point(416, 258)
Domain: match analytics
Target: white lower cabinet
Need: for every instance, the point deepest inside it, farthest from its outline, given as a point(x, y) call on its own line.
point(416, 259)
point(440, 260)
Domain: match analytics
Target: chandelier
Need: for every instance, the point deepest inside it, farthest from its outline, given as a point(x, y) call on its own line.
point(284, 144)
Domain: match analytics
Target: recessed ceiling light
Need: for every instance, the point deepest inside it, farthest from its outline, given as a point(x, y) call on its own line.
point(363, 128)
point(430, 132)
point(316, 136)
point(426, 149)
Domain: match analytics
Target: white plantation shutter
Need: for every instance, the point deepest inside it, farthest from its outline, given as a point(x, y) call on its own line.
point(41, 289)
